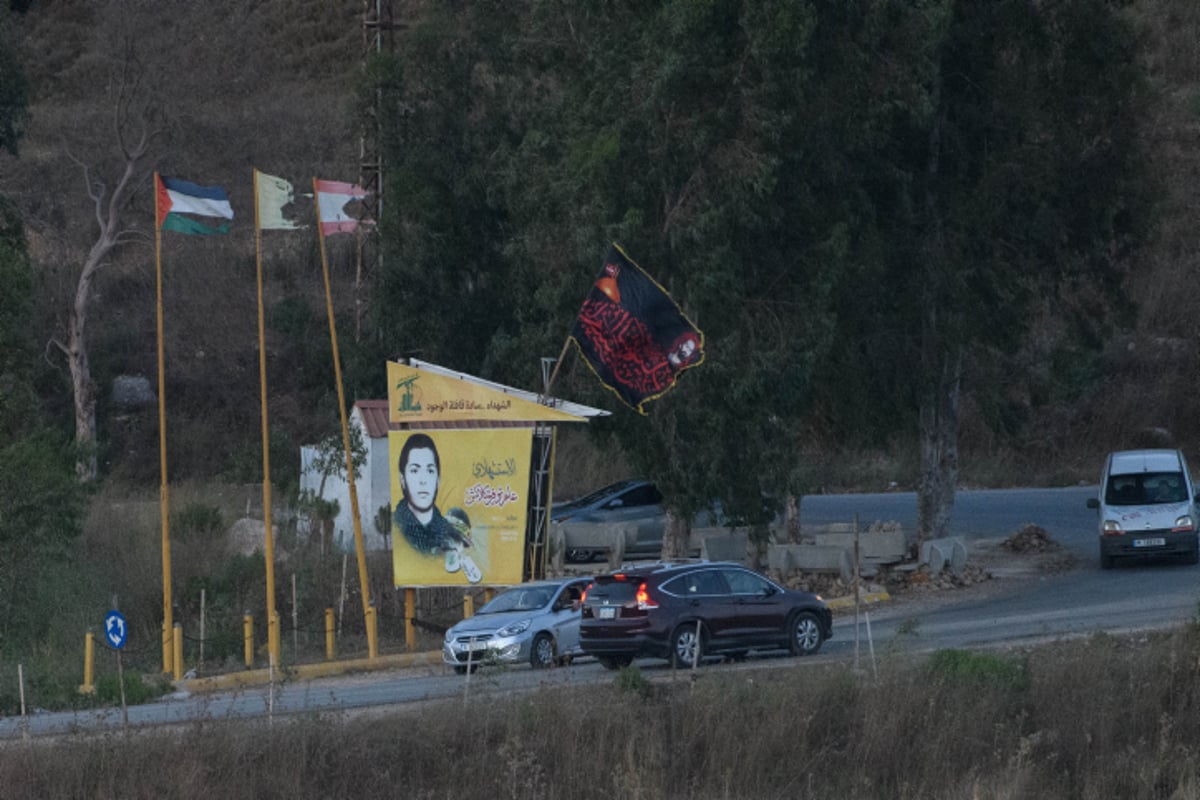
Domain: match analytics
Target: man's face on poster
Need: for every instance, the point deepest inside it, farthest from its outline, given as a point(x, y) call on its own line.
point(420, 478)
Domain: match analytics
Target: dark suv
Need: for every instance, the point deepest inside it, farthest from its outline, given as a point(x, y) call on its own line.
point(685, 611)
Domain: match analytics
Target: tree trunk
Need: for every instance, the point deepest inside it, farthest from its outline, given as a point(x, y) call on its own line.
point(675, 536)
point(81, 379)
point(939, 450)
point(791, 519)
point(108, 209)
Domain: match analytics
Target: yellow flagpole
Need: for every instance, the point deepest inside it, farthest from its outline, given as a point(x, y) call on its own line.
point(168, 622)
point(337, 370)
point(268, 533)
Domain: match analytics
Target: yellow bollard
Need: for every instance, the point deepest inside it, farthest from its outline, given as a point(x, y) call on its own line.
point(410, 613)
point(329, 641)
point(166, 647)
point(372, 634)
point(273, 637)
point(89, 664)
point(177, 649)
point(248, 634)
point(468, 606)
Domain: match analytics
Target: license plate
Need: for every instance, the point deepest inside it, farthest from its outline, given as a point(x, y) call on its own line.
point(470, 647)
point(1156, 542)
point(608, 613)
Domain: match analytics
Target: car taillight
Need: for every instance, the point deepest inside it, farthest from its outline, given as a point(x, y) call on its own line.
point(644, 603)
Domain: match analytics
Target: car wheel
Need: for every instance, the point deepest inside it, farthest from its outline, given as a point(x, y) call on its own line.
point(461, 669)
point(687, 645)
point(806, 637)
point(541, 653)
point(616, 663)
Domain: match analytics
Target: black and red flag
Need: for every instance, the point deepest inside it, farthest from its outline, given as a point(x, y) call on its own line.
point(633, 335)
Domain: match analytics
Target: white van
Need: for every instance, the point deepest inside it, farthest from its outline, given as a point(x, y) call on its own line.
point(1147, 506)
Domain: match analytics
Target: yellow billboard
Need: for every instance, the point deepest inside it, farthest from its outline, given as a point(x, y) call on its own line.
point(459, 500)
point(416, 395)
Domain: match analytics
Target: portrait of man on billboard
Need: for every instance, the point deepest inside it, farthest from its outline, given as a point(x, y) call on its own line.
point(432, 547)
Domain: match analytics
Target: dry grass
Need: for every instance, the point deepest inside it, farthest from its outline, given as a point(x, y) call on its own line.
point(1101, 718)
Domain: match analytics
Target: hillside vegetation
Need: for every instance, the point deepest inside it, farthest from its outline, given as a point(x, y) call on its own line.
point(275, 85)
point(769, 165)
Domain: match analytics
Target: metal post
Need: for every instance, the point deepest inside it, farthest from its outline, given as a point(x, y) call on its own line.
point(177, 649)
point(248, 636)
point(89, 664)
point(372, 633)
point(329, 639)
point(200, 666)
point(410, 613)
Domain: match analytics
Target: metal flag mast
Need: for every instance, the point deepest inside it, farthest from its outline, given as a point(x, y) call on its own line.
point(368, 615)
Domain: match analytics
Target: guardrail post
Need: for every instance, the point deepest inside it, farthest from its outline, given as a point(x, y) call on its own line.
point(248, 639)
point(89, 664)
point(177, 649)
point(329, 639)
point(372, 633)
point(410, 613)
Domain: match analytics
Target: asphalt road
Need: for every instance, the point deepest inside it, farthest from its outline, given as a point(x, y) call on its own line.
point(1002, 612)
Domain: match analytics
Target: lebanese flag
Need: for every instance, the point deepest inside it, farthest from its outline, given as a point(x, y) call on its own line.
point(332, 199)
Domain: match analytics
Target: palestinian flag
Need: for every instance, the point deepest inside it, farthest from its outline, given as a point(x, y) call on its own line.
point(174, 198)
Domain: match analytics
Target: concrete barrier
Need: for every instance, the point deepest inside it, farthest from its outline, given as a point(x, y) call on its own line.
point(942, 554)
point(726, 545)
point(874, 547)
point(811, 558)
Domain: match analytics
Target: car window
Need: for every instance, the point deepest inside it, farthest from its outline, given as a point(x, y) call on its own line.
point(702, 582)
point(519, 599)
point(641, 496)
point(571, 593)
point(1145, 488)
point(593, 497)
point(742, 582)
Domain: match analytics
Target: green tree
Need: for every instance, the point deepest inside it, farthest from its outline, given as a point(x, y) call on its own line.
point(1014, 193)
point(14, 95)
point(40, 503)
point(856, 200)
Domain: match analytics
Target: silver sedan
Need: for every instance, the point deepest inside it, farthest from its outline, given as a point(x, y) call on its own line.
point(536, 622)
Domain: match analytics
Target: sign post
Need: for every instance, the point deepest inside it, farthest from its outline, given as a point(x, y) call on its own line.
point(116, 631)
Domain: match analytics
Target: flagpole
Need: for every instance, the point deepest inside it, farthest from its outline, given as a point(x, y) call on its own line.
point(268, 533)
point(168, 621)
point(337, 370)
point(557, 364)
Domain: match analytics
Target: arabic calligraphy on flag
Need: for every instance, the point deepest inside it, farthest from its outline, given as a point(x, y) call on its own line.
point(633, 335)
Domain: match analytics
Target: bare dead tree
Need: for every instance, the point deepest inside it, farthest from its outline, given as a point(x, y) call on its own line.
point(135, 130)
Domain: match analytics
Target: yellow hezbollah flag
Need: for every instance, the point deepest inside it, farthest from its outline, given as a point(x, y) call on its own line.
point(416, 395)
point(459, 500)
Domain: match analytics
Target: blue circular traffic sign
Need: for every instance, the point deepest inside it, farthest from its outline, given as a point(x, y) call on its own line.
point(115, 629)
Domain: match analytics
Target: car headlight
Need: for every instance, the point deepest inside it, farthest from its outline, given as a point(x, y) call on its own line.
point(1184, 523)
point(514, 628)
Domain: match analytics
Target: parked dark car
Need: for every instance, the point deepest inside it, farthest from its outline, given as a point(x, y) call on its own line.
point(686, 611)
point(625, 501)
